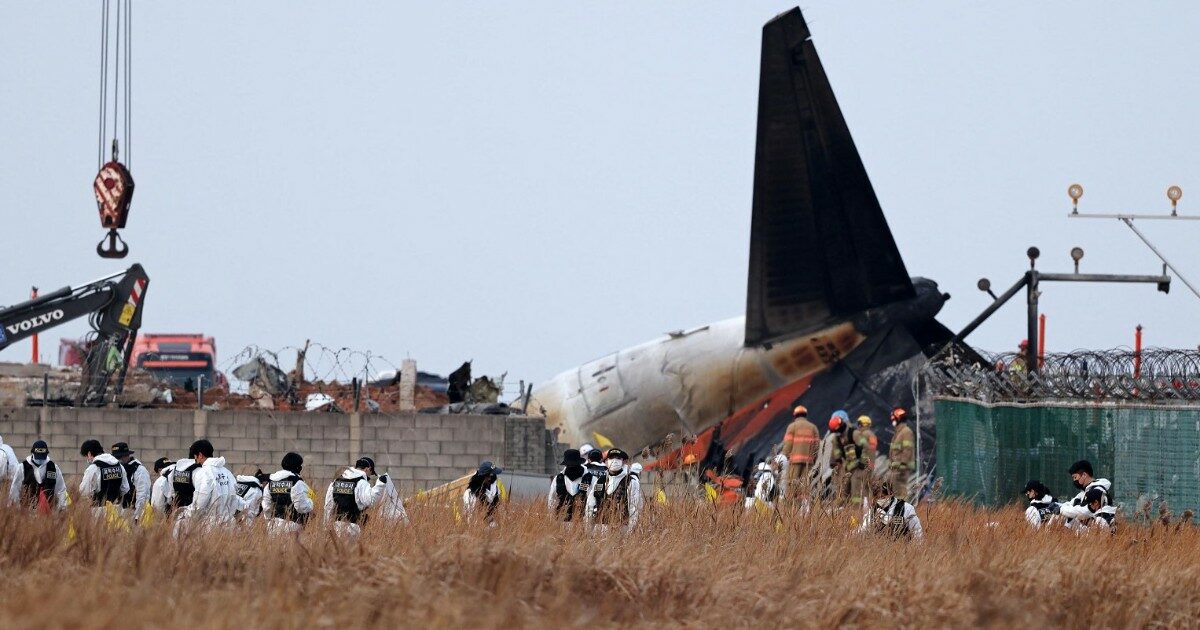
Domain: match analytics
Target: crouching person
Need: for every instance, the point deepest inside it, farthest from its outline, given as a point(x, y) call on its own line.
point(1043, 509)
point(482, 495)
point(615, 500)
point(891, 516)
point(349, 497)
point(250, 490)
point(288, 500)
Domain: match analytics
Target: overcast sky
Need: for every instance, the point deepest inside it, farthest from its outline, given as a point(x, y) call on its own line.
point(535, 184)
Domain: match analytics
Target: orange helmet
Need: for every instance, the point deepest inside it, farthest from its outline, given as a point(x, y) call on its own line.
point(899, 414)
point(835, 423)
point(800, 410)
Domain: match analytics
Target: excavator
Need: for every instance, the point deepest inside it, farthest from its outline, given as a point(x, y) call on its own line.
point(113, 306)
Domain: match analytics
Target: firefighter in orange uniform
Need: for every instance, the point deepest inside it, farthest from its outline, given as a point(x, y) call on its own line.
point(800, 447)
point(866, 447)
point(902, 454)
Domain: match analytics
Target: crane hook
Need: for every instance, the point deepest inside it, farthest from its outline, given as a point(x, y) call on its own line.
point(113, 250)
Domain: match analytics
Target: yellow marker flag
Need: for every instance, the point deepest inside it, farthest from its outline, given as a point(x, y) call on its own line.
point(312, 496)
point(602, 442)
point(148, 515)
point(502, 489)
point(660, 496)
point(710, 492)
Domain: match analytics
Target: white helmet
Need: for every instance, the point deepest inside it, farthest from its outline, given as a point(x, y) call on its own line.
point(635, 469)
point(585, 449)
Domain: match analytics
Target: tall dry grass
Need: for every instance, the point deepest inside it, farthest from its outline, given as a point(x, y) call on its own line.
point(689, 564)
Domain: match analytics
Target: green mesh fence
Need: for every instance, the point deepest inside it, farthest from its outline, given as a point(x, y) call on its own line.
point(988, 451)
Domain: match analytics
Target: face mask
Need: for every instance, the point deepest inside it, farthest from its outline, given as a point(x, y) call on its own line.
point(615, 465)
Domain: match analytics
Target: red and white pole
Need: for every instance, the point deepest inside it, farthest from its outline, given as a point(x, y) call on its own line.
point(1137, 352)
point(1041, 341)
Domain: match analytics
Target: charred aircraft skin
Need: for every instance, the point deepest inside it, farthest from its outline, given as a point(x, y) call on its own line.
point(832, 320)
point(687, 382)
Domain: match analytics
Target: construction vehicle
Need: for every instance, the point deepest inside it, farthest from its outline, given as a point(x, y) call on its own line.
point(113, 305)
point(186, 360)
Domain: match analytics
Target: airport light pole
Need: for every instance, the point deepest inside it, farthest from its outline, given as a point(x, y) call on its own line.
point(1031, 281)
point(1174, 194)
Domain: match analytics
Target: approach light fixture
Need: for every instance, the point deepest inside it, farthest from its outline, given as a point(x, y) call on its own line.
point(1077, 255)
point(1174, 193)
point(1075, 192)
point(985, 285)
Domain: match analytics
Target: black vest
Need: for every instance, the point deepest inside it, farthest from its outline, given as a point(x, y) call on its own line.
point(110, 483)
point(30, 487)
point(892, 521)
point(568, 504)
point(611, 508)
point(345, 506)
point(181, 481)
point(131, 496)
point(245, 486)
point(281, 499)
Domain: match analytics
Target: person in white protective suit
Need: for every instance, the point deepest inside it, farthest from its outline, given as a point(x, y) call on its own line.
point(387, 502)
point(9, 467)
point(104, 481)
point(288, 501)
point(891, 516)
point(134, 501)
point(250, 490)
point(614, 502)
point(161, 488)
point(39, 484)
point(216, 503)
point(349, 497)
point(482, 495)
point(766, 486)
point(1093, 506)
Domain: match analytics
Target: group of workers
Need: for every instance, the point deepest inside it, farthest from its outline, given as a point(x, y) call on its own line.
point(198, 493)
point(1091, 508)
point(601, 489)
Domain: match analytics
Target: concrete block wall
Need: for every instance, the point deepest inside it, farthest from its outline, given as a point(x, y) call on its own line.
point(420, 450)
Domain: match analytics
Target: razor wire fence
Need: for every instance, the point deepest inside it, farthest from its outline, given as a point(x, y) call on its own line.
point(1154, 375)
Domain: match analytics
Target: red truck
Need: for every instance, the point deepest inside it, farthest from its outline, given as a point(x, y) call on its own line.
point(178, 359)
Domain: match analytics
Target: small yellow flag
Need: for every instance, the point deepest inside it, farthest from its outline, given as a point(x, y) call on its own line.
point(710, 492)
point(502, 489)
point(602, 442)
point(660, 496)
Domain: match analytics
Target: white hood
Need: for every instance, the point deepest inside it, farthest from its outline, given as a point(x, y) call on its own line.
point(214, 462)
point(280, 475)
point(247, 479)
point(106, 458)
point(351, 473)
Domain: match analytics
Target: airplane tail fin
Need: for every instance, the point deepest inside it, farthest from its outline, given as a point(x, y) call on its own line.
point(820, 248)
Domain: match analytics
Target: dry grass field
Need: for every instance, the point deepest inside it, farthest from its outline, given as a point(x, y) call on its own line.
point(689, 565)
